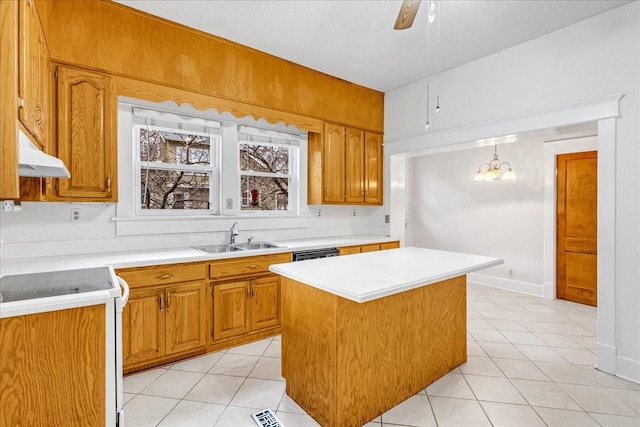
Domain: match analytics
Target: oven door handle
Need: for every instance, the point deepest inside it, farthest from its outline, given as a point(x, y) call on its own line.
point(125, 290)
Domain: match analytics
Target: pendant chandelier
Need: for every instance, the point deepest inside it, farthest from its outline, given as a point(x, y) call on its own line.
point(495, 170)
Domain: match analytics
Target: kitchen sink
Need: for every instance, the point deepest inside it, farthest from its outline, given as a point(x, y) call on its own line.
point(247, 246)
point(256, 245)
point(217, 249)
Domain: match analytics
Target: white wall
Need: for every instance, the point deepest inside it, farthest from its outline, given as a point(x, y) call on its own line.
point(596, 58)
point(451, 211)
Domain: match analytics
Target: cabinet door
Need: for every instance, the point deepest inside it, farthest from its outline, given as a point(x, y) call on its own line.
point(184, 312)
point(33, 76)
point(370, 248)
point(230, 309)
point(143, 332)
point(373, 168)
point(86, 135)
point(354, 166)
point(265, 303)
point(333, 166)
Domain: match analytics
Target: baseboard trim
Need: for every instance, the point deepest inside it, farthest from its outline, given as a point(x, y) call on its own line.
point(607, 358)
point(507, 284)
point(628, 369)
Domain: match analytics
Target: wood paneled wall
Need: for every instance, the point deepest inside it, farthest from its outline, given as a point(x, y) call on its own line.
point(122, 41)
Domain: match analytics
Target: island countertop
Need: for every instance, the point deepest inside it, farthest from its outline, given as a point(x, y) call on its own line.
point(369, 276)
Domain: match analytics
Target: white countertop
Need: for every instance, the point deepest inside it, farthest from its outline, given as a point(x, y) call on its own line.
point(372, 275)
point(142, 258)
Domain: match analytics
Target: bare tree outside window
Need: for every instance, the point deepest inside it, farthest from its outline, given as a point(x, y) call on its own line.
point(265, 176)
point(175, 169)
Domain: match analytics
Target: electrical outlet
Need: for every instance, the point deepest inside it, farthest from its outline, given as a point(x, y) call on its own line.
point(319, 212)
point(354, 212)
point(386, 219)
point(229, 203)
point(512, 273)
point(75, 215)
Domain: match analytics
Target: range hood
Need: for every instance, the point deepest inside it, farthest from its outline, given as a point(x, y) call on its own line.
point(33, 162)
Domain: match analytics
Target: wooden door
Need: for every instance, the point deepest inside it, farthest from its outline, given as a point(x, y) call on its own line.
point(354, 166)
point(576, 268)
point(230, 309)
point(333, 163)
point(184, 315)
point(86, 135)
point(265, 303)
point(373, 168)
point(143, 331)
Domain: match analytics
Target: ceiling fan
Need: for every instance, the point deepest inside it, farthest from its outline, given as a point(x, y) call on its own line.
point(408, 12)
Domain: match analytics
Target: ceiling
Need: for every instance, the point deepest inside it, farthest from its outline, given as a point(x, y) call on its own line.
point(355, 41)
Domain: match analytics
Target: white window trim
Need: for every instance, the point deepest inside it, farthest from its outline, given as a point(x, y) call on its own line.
point(128, 224)
point(212, 170)
point(294, 142)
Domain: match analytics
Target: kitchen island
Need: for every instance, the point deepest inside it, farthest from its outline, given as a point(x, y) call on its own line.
point(362, 333)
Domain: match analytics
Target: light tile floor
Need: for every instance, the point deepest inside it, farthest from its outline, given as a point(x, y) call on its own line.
point(530, 363)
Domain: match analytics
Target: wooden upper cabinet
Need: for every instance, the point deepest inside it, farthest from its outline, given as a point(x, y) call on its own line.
point(354, 165)
point(34, 74)
point(349, 161)
point(9, 90)
point(87, 134)
point(373, 158)
point(333, 164)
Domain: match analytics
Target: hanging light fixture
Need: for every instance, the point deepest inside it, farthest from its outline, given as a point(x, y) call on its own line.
point(495, 170)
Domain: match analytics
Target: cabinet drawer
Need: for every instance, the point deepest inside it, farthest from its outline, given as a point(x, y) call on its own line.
point(370, 248)
point(245, 266)
point(389, 245)
point(163, 274)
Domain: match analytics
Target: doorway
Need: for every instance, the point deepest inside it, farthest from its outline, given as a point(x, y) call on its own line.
point(576, 227)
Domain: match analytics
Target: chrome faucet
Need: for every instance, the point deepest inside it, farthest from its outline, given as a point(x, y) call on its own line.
point(234, 233)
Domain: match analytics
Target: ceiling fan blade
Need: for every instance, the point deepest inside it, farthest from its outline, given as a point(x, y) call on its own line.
point(407, 14)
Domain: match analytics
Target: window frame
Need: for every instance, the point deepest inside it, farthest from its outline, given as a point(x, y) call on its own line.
point(212, 169)
point(274, 138)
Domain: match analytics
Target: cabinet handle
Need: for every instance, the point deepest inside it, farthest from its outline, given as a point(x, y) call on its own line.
point(164, 276)
point(161, 297)
point(253, 291)
point(247, 290)
point(40, 120)
point(253, 266)
point(168, 301)
point(109, 182)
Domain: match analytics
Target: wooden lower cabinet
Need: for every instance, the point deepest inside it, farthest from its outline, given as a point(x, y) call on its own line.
point(230, 309)
point(358, 249)
point(143, 326)
point(241, 307)
point(162, 322)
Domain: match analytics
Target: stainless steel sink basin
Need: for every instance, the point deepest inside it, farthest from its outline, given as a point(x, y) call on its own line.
point(247, 246)
point(256, 245)
point(217, 249)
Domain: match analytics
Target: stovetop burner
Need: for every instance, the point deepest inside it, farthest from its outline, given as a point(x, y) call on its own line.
point(54, 283)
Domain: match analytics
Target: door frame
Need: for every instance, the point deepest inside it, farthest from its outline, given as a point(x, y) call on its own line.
point(550, 151)
point(603, 111)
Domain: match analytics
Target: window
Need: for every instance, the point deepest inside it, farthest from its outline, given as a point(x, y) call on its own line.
point(268, 170)
point(175, 163)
